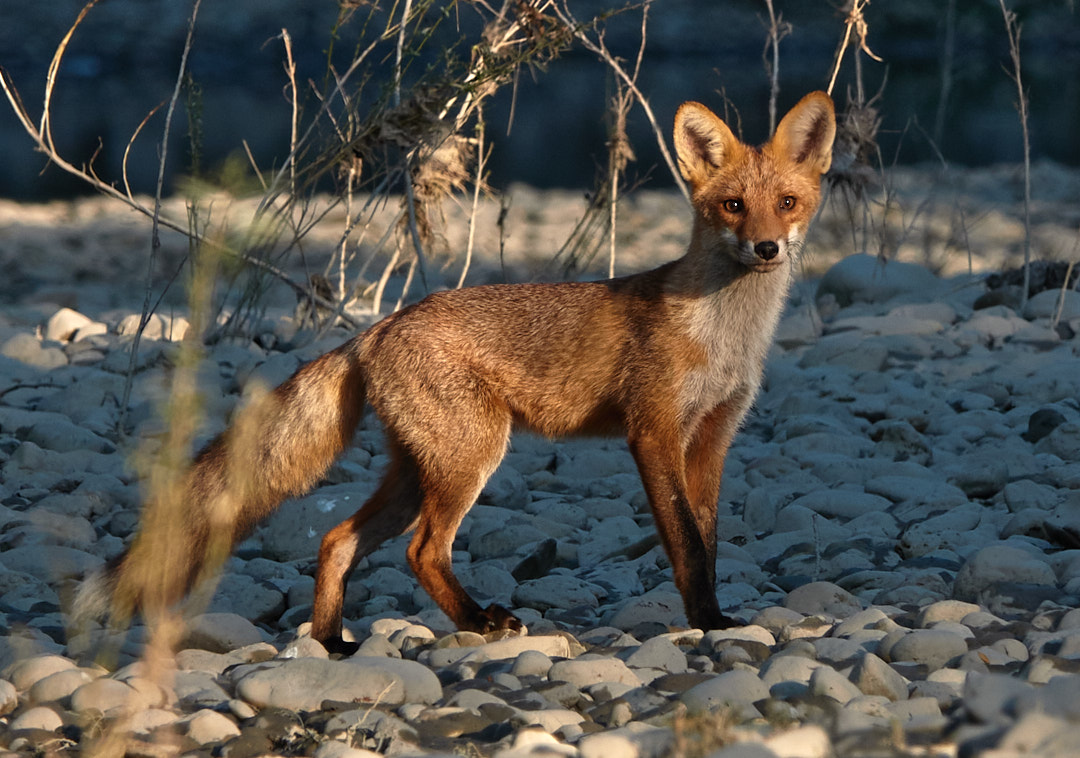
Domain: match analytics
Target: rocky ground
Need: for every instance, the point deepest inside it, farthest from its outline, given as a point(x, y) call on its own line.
point(899, 528)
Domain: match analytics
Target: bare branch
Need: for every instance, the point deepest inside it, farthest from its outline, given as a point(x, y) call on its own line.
point(598, 48)
point(1013, 32)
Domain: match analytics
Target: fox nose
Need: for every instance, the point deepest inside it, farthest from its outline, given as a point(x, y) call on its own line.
point(766, 250)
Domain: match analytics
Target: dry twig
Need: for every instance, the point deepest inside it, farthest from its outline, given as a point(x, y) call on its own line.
point(1012, 29)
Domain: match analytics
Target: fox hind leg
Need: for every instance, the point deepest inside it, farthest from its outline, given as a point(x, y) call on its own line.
point(445, 505)
point(452, 476)
point(391, 511)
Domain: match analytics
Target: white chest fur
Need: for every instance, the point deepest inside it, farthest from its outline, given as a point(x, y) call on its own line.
point(734, 325)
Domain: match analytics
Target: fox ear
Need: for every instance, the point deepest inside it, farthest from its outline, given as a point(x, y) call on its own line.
point(702, 141)
point(805, 135)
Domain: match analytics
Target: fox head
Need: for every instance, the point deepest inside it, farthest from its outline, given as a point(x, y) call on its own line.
point(755, 203)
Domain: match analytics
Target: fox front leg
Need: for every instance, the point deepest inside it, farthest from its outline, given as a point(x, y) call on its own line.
point(663, 474)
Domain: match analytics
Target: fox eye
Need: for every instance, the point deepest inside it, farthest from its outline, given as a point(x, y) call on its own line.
point(733, 206)
point(787, 203)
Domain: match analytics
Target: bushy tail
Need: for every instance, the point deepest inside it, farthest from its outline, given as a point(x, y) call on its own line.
point(277, 446)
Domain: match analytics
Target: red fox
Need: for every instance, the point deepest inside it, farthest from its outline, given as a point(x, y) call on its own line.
point(671, 358)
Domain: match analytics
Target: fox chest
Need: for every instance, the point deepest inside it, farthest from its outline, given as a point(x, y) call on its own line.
point(734, 343)
point(730, 369)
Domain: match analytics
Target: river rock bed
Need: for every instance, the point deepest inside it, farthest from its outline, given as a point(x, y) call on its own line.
point(899, 533)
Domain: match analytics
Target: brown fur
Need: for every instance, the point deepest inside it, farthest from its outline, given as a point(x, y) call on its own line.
point(672, 358)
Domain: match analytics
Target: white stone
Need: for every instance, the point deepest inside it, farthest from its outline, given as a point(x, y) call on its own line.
point(62, 325)
point(810, 741)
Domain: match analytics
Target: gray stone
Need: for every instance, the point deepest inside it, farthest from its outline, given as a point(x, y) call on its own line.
point(988, 567)
point(928, 489)
point(875, 677)
point(945, 610)
point(110, 697)
point(199, 689)
point(1026, 494)
point(635, 740)
point(506, 489)
point(420, 684)
point(866, 278)
point(1063, 441)
point(788, 676)
point(297, 528)
point(244, 596)
point(949, 530)
point(586, 670)
point(1045, 304)
point(50, 562)
point(46, 527)
point(9, 697)
point(206, 726)
point(39, 717)
point(845, 504)
point(302, 684)
point(827, 682)
point(822, 597)
point(490, 538)
point(656, 653)
point(732, 688)
point(556, 591)
point(980, 476)
point(51, 431)
point(549, 645)
point(871, 618)
point(531, 663)
point(220, 632)
point(991, 698)
point(932, 647)
point(28, 349)
point(657, 606)
point(57, 686)
point(1039, 734)
point(1041, 423)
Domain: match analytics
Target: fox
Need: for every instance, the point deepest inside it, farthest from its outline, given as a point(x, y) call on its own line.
point(670, 358)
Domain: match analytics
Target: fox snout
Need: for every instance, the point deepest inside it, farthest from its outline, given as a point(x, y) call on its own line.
point(766, 250)
point(762, 256)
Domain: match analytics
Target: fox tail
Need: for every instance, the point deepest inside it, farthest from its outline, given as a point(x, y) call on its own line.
point(279, 445)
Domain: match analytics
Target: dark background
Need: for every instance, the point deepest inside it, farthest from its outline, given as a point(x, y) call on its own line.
point(123, 61)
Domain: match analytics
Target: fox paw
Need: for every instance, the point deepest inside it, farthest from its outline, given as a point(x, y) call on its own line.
point(338, 646)
point(712, 620)
point(495, 618)
point(726, 622)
